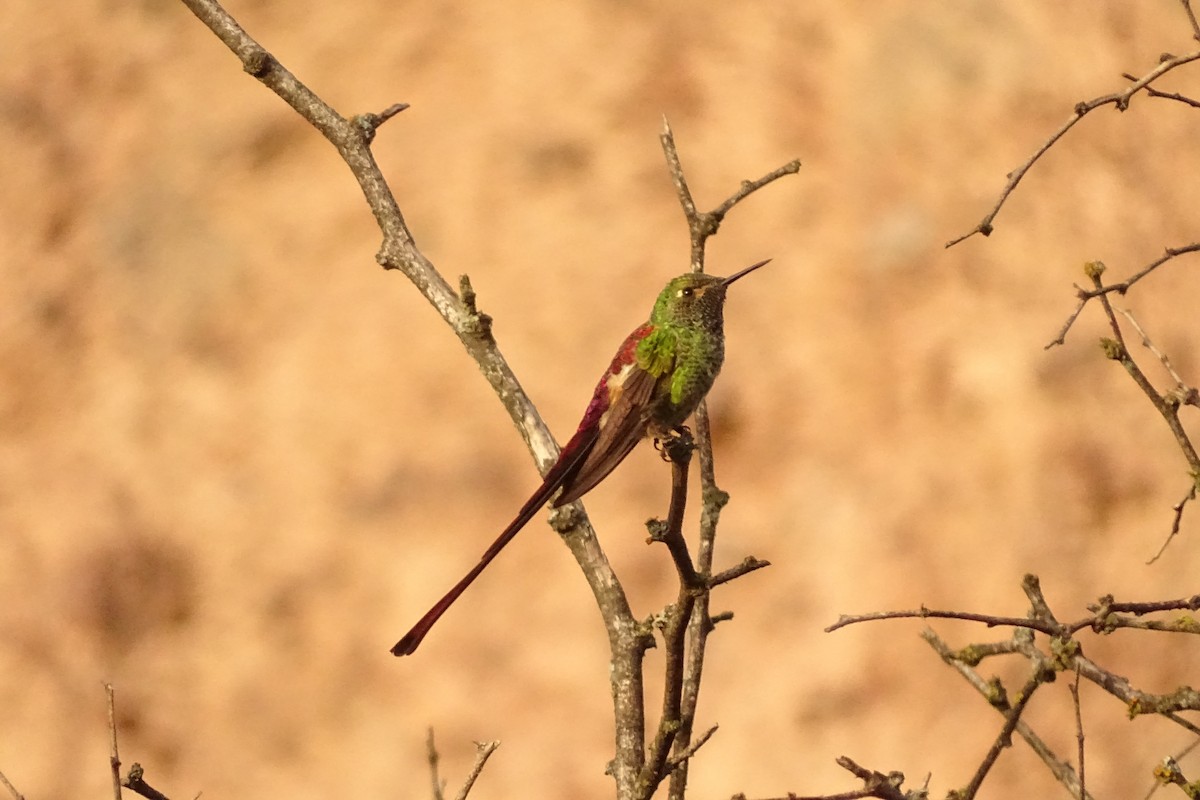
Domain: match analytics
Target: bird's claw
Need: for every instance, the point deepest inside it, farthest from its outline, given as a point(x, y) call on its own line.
point(675, 445)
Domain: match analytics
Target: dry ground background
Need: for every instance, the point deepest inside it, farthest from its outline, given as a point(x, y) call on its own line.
point(237, 459)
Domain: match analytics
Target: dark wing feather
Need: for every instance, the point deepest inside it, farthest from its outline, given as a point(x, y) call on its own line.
point(624, 426)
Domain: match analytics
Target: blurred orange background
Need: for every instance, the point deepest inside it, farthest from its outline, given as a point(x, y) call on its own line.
point(237, 459)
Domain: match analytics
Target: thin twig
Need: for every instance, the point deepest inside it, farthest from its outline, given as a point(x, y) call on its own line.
point(1163, 771)
point(11, 789)
point(1169, 254)
point(483, 751)
point(135, 781)
point(1185, 393)
point(1167, 406)
point(1169, 772)
point(1176, 96)
point(1004, 738)
point(431, 754)
point(1079, 733)
point(114, 760)
point(990, 620)
point(875, 784)
point(678, 450)
point(1191, 15)
point(1109, 605)
point(370, 123)
point(702, 225)
point(1138, 702)
point(690, 750)
point(1062, 332)
point(1120, 100)
point(749, 564)
point(1176, 520)
point(1063, 772)
point(1097, 267)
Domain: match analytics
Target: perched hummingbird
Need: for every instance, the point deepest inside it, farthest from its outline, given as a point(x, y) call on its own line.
point(660, 374)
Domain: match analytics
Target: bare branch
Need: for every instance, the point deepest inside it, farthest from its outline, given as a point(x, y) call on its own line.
point(1079, 739)
point(679, 451)
point(990, 620)
point(135, 781)
point(1169, 253)
point(483, 751)
point(1169, 772)
point(114, 760)
point(1185, 394)
point(1168, 407)
point(1003, 739)
point(370, 123)
point(1097, 267)
point(1191, 15)
point(691, 749)
point(431, 754)
point(1119, 100)
point(994, 694)
point(702, 225)
point(750, 187)
point(749, 564)
point(875, 784)
point(1139, 702)
point(1108, 605)
point(1176, 96)
point(1177, 520)
point(1062, 333)
point(11, 789)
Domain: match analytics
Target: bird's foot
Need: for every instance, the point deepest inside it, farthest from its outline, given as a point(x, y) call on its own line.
point(675, 445)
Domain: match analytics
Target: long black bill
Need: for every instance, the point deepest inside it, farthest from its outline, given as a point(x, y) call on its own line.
point(745, 271)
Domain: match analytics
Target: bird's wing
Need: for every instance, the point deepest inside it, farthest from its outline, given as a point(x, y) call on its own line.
point(622, 427)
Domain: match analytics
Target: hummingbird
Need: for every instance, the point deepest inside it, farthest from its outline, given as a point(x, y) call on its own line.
point(658, 377)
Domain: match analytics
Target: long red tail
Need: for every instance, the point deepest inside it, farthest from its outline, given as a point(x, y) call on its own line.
point(575, 452)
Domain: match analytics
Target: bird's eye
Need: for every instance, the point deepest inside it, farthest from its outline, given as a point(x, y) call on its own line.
point(687, 291)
